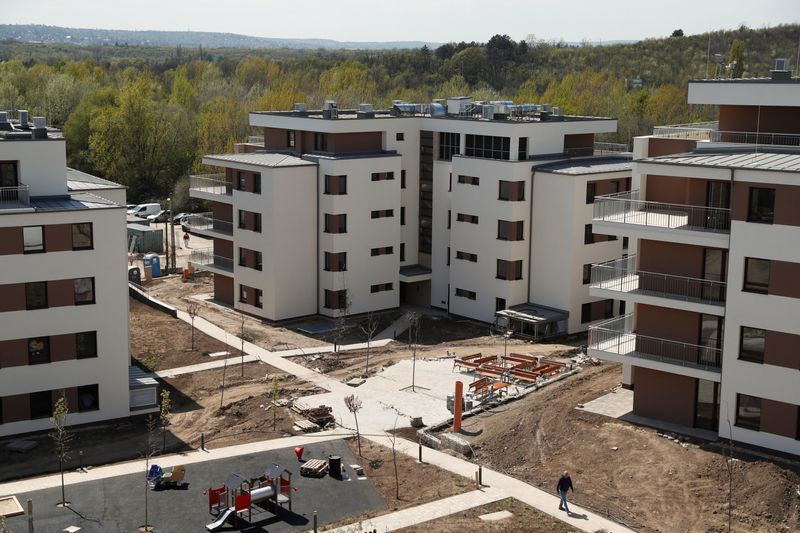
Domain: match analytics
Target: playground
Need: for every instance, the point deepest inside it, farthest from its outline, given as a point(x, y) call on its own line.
point(252, 486)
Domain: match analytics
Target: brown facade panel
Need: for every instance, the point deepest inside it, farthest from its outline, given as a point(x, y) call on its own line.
point(13, 297)
point(771, 119)
point(223, 248)
point(578, 140)
point(58, 237)
point(222, 211)
point(664, 396)
point(16, 408)
point(60, 292)
point(223, 289)
point(62, 347)
point(13, 353)
point(607, 186)
point(664, 146)
point(787, 198)
point(665, 323)
point(367, 141)
point(277, 139)
point(779, 418)
point(11, 241)
point(677, 190)
point(784, 279)
point(671, 258)
point(71, 394)
point(781, 349)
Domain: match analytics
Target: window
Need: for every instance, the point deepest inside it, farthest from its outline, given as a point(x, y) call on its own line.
point(82, 236)
point(335, 223)
point(402, 216)
point(335, 184)
point(748, 412)
point(383, 213)
point(399, 136)
point(290, 142)
point(752, 344)
point(509, 270)
point(613, 187)
point(336, 299)
point(259, 260)
point(84, 291)
point(469, 180)
point(402, 251)
point(488, 147)
point(380, 287)
point(464, 293)
point(591, 191)
point(762, 205)
point(450, 183)
point(242, 294)
point(242, 256)
point(320, 142)
point(499, 304)
point(449, 145)
point(88, 398)
point(257, 182)
point(586, 313)
point(41, 404)
point(241, 181)
point(509, 231)
point(462, 217)
point(386, 250)
point(608, 308)
point(86, 344)
point(625, 243)
point(756, 275)
point(449, 218)
point(402, 179)
point(382, 176)
point(33, 239)
point(587, 273)
point(259, 298)
point(38, 350)
point(257, 222)
point(8, 174)
point(242, 219)
point(466, 256)
point(522, 149)
point(337, 262)
point(36, 295)
point(588, 236)
point(448, 256)
point(512, 191)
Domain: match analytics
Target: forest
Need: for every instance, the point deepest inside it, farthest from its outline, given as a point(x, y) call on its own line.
point(144, 116)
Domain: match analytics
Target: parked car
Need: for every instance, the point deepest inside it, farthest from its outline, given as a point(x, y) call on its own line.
point(179, 217)
point(162, 216)
point(145, 210)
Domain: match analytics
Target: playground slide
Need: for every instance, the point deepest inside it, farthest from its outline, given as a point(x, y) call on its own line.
point(223, 517)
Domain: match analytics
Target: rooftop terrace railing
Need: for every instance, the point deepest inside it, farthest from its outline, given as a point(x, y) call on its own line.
point(709, 131)
point(211, 183)
point(15, 196)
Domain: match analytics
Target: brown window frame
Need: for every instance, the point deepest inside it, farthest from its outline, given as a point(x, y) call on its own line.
point(76, 293)
point(755, 287)
point(382, 176)
point(40, 356)
point(747, 423)
point(464, 217)
point(336, 261)
point(467, 256)
point(747, 354)
point(41, 248)
point(515, 230)
point(753, 215)
point(28, 305)
point(83, 353)
point(466, 293)
point(336, 183)
point(469, 180)
point(76, 227)
point(380, 287)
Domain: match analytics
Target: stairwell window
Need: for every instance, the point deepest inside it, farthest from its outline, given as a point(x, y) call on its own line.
point(84, 291)
point(509, 270)
point(385, 250)
point(466, 256)
point(510, 231)
point(752, 344)
point(38, 350)
point(82, 236)
point(382, 176)
point(748, 412)
point(463, 217)
point(380, 287)
point(335, 223)
point(383, 213)
point(464, 293)
point(756, 275)
point(762, 205)
point(33, 239)
point(36, 295)
point(469, 180)
point(335, 185)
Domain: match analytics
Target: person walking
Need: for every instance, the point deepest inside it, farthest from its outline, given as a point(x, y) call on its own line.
point(563, 486)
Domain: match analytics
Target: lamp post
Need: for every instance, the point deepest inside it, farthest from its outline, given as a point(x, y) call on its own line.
point(507, 335)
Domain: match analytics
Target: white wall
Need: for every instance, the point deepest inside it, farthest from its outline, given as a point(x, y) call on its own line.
point(42, 164)
point(442, 202)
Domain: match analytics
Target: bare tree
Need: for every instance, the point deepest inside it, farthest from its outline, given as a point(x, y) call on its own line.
point(341, 321)
point(413, 340)
point(148, 452)
point(241, 337)
point(166, 405)
point(224, 370)
point(192, 309)
point(276, 394)
point(392, 436)
point(61, 439)
point(368, 329)
point(353, 404)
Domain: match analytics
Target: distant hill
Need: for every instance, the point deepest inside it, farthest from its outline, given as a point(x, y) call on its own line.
point(36, 33)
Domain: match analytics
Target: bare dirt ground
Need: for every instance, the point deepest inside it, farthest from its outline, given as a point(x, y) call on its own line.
point(418, 482)
point(648, 482)
point(525, 519)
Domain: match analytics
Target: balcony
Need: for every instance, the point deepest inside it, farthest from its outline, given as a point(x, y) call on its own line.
point(625, 214)
point(206, 224)
point(211, 187)
point(15, 197)
point(205, 258)
point(614, 340)
point(620, 279)
point(708, 131)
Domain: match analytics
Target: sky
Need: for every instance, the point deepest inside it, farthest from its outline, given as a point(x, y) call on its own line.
point(410, 20)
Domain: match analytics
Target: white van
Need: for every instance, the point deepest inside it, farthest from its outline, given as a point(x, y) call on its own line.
point(143, 210)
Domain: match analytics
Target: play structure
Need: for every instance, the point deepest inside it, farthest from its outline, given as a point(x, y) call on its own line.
point(157, 477)
point(497, 372)
point(238, 495)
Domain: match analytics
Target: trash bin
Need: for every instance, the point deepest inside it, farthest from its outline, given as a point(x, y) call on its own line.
point(135, 275)
point(335, 466)
point(154, 262)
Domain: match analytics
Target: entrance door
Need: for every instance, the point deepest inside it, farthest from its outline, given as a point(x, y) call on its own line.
point(711, 332)
point(706, 413)
point(718, 196)
point(715, 264)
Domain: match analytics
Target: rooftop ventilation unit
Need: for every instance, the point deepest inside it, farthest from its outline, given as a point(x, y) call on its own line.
point(400, 109)
point(300, 107)
point(5, 125)
point(546, 108)
point(487, 111)
point(39, 128)
point(23, 119)
point(329, 109)
point(365, 111)
point(458, 104)
point(781, 71)
point(438, 109)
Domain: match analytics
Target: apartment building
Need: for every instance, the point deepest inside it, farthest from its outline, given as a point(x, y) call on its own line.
point(713, 290)
point(439, 204)
point(64, 305)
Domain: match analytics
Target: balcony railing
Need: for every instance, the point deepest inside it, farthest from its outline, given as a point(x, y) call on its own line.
point(206, 257)
point(15, 196)
point(206, 222)
point(211, 183)
point(255, 139)
point(626, 208)
point(603, 148)
point(621, 275)
point(615, 336)
point(709, 131)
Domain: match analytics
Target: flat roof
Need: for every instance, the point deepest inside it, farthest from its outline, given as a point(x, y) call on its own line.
point(591, 165)
point(414, 270)
point(352, 114)
point(78, 180)
point(775, 161)
point(73, 202)
point(261, 159)
point(534, 313)
point(138, 378)
point(794, 79)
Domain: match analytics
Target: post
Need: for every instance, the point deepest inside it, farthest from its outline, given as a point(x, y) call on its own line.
point(171, 223)
point(480, 476)
point(203, 441)
point(457, 407)
point(30, 515)
point(420, 451)
point(315, 522)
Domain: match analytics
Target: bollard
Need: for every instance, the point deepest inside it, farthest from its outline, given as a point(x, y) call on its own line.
point(203, 441)
point(315, 522)
point(30, 515)
point(420, 451)
point(80, 456)
point(480, 476)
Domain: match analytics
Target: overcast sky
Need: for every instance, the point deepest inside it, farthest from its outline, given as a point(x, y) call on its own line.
point(402, 20)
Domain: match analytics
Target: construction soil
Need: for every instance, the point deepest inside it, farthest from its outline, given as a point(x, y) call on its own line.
point(628, 472)
point(524, 519)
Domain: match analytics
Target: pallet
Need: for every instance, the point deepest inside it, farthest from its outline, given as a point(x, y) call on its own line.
point(306, 426)
point(314, 468)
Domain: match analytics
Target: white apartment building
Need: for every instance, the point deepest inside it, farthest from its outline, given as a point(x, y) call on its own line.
point(714, 286)
point(457, 205)
point(64, 309)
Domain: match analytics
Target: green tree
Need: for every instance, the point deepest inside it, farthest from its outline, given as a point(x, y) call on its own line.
point(163, 417)
point(61, 439)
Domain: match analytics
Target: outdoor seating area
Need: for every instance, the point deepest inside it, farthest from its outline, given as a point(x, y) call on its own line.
point(497, 372)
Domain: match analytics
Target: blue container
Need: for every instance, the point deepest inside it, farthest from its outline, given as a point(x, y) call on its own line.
point(154, 262)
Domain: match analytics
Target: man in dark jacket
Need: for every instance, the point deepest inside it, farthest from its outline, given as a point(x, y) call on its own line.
point(563, 486)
